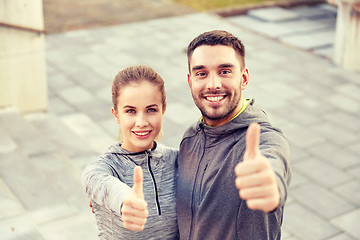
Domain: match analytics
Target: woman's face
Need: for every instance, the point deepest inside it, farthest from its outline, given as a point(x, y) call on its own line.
point(139, 113)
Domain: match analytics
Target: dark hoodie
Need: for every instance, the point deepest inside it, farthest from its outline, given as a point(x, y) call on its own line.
point(208, 202)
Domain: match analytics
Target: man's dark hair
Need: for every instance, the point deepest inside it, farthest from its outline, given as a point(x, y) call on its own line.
point(217, 37)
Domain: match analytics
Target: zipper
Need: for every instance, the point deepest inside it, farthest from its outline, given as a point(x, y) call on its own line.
point(195, 193)
point(199, 193)
point(155, 187)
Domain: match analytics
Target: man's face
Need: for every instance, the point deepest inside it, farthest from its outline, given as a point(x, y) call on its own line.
point(216, 82)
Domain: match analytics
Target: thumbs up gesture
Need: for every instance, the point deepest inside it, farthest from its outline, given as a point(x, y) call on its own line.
point(255, 177)
point(134, 208)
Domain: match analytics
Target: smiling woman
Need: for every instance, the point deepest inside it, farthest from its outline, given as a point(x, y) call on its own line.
point(139, 118)
point(133, 183)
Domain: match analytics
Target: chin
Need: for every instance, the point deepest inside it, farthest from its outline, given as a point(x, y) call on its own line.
point(214, 115)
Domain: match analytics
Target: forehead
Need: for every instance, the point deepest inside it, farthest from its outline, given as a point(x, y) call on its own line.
point(211, 56)
point(139, 94)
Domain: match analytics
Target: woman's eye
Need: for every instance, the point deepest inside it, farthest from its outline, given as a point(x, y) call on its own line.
point(130, 111)
point(151, 110)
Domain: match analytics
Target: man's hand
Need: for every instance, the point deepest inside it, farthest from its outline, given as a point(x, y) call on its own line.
point(134, 208)
point(255, 177)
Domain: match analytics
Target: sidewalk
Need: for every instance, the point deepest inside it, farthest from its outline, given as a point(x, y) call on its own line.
point(293, 79)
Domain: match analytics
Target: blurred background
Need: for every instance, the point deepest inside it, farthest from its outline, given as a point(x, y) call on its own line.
point(59, 57)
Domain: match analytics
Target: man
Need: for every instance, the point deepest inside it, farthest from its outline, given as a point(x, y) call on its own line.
point(233, 165)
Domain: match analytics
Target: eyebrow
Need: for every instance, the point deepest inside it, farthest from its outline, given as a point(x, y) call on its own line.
point(152, 105)
point(224, 65)
point(149, 106)
point(128, 106)
point(198, 67)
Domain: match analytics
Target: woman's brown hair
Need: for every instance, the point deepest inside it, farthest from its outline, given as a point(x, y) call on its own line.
point(137, 74)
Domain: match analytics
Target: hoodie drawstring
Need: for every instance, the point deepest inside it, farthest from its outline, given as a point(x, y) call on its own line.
point(156, 191)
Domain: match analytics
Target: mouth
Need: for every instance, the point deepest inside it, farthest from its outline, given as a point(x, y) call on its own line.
point(215, 98)
point(142, 134)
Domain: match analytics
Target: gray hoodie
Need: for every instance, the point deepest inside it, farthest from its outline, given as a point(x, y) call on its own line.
point(208, 202)
point(108, 180)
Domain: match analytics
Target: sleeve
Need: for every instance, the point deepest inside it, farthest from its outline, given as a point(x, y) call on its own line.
point(275, 147)
point(102, 187)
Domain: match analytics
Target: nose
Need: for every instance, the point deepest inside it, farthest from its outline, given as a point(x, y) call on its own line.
point(141, 121)
point(214, 82)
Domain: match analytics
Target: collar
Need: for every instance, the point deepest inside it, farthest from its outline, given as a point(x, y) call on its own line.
point(245, 104)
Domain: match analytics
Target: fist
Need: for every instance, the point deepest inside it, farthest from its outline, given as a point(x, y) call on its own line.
point(255, 177)
point(134, 208)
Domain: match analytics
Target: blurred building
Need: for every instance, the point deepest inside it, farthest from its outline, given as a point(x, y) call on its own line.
point(23, 82)
point(22, 55)
point(347, 42)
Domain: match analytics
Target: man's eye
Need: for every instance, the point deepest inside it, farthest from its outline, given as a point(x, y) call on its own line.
point(200, 74)
point(225, 71)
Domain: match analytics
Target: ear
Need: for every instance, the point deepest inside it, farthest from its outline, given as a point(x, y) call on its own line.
point(164, 110)
point(115, 114)
point(244, 78)
point(189, 80)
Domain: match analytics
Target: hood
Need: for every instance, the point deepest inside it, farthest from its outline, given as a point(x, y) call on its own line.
point(116, 148)
point(137, 157)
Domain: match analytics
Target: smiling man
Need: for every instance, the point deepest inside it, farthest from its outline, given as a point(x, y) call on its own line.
point(216, 81)
point(233, 164)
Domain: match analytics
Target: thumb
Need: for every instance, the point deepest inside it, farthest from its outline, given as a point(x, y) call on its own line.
point(252, 141)
point(138, 182)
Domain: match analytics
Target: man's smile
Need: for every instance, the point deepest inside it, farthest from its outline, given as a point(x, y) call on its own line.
point(215, 98)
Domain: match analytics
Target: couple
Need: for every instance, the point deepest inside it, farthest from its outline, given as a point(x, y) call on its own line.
point(229, 178)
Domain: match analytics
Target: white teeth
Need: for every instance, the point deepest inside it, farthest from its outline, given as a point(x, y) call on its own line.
point(215, 99)
point(141, 133)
